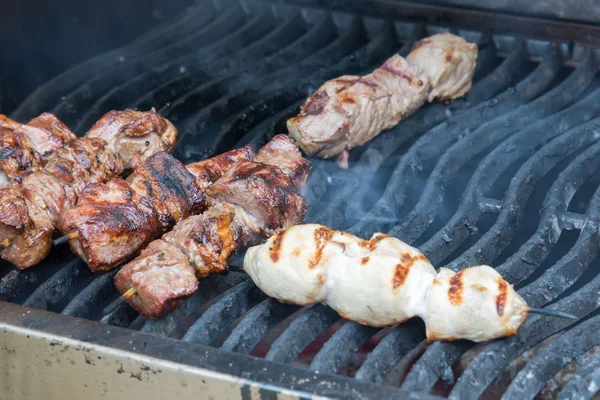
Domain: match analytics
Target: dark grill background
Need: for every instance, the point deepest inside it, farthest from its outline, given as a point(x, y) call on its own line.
point(507, 176)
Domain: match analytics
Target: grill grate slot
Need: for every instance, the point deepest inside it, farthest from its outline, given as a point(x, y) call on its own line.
point(460, 181)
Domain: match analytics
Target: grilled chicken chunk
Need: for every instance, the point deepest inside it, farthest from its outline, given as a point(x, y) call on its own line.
point(48, 193)
point(114, 221)
point(474, 304)
point(27, 146)
point(251, 200)
point(351, 110)
point(449, 62)
point(376, 282)
point(382, 282)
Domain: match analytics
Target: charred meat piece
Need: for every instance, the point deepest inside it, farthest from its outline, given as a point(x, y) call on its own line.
point(252, 200)
point(351, 110)
point(449, 62)
point(48, 193)
point(134, 135)
point(115, 221)
point(27, 146)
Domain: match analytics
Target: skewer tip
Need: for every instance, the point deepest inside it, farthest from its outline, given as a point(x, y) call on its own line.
point(4, 244)
point(120, 300)
point(551, 313)
point(64, 239)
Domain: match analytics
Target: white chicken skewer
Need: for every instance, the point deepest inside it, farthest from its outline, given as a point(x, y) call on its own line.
point(384, 281)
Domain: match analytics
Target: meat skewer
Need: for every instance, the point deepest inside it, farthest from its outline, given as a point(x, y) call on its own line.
point(383, 281)
point(30, 209)
point(113, 221)
point(254, 199)
point(349, 111)
point(30, 145)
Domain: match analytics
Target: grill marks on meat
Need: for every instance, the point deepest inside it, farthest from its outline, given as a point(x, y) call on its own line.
point(114, 221)
point(135, 135)
point(50, 192)
point(208, 171)
point(357, 108)
point(283, 153)
point(253, 199)
point(264, 192)
point(27, 146)
point(384, 284)
point(351, 110)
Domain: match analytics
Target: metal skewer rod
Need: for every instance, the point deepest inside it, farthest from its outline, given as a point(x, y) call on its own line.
point(551, 313)
point(65, 238)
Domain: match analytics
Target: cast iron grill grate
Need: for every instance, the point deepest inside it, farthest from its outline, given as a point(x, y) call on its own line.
point(507, 176)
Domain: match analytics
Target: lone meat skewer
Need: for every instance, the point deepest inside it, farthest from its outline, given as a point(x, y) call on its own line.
point(383, 281)
point(351, 110)
point(112, 222)
point(27, 146)
point(30, 210)
point(253, 199)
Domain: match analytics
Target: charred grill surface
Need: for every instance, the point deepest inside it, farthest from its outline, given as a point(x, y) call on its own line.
point(507, 176)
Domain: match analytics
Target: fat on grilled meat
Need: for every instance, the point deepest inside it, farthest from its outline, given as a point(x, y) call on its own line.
point(114, 221)
point(449, 61)
point(26, 146)
point(384, 281)
point(49, 192)
point(351, 110)
point(134, 135)
point(239, 214)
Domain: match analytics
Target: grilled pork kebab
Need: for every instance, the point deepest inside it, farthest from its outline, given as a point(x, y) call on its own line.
point(384, 281)
point(30, 145)
point(349, 111)
point(252, 200)
point(112, 222)
point(30, 209)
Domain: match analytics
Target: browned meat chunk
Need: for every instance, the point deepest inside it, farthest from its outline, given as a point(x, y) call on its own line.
point(449, 62)
point(282, 152)
point(102, 155)
point(162, 277)
point(23, 147)
point(115, 221)
point(109, 221)
point(43, 134)
point(251, 200)
point(351, 110)
point(134, 135)
point(208, 171)
point(264, 192)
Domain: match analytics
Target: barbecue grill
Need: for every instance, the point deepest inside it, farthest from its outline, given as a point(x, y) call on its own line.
point(507, 176)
